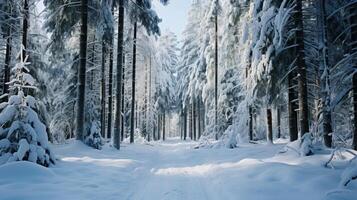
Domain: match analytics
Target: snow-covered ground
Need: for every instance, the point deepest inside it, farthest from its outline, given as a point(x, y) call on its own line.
point(174, 170)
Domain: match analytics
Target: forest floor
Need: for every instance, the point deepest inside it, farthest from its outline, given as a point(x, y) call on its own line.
point(174, 170)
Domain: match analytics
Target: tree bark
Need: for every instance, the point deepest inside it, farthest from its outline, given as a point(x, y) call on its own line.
point(133, 85)
point(25, 27)
point(103, 103)
point(122, 124)
point(194, 114)
point(270, 126)
point(150, 132)
point(158, 126)
point(137, 115)
point(82, 71)
point(199, 118)
point(7, 64)
point(324, 73)
point(110, 91)
point(353, 21)
point(164, 127)
point(185, 123)
point(119, 92)
point(110, 83)
point(278, 117)
point(293, 126)
point(216, 76)
point(301, 68)
point(250, 123)
point(190, 121)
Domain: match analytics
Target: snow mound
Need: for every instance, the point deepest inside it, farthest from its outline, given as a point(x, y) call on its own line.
point(349, 174)
point(25, 171)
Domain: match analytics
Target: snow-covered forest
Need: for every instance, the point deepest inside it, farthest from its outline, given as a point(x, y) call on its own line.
point(255, 99)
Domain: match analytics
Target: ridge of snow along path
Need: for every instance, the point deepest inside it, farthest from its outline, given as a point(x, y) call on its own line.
point(174, 170)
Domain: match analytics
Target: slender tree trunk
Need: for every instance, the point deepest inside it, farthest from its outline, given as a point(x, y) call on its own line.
point(199, 118)
point(278, 117)
point(110, 83)
point(164, 127)
point(250, 123)
point(133, 85)
point(91, 73)
point(354, 83)
point(145, 123)
point(158, 126)
point(324, 75)
point(122, 124)
point(353, 21)
point(191, 121)
point(293, 127)
point(81, 86)
point(110, 91)
point(7, 63)
point(119, 92)
point(149, 103)
point(25, 27)
point(181, 123)
point(301, 68)
point(270, 125)
point(5, 86)
point(137, 115)
point(103, 90)
point(185, 123)
point(216, 76)
point(194, 114)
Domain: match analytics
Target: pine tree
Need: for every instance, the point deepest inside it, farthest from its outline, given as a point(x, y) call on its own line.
point(23, 136)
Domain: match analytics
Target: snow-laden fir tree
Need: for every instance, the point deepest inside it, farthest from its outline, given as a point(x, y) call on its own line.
point(22, 135)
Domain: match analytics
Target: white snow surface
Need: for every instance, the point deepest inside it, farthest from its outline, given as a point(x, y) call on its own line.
point(174, 170)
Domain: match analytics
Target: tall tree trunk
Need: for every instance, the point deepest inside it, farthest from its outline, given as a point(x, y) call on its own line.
point(292, 106)
point(250, 123)
point(145, 110)
point(190, 120)
point(133, 85)
point(25, 27)
point(301, 68)
point(270, 125)
point(199, 118)
point(7, 63)
point(353, 21)
point(216, 76)
point(149, 102)
point(194, 114)
point(164, 127)
point(110, 82)
point(158, 126)
point(92, 64)
point(119, 92)
point(181, 123)
point(161, 127)
point(81, 86)
point(278, 117)
point(5, 86)
point(185, 123)
point(122, 124)
point(324, 76)
point(102, 119)
point(110, 90)
point(137, 115)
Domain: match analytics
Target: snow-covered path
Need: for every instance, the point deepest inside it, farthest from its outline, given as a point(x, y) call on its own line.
point(172, 170)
